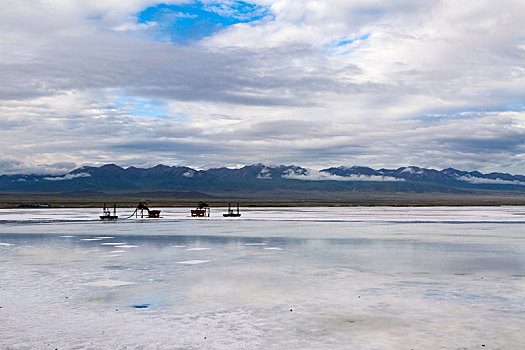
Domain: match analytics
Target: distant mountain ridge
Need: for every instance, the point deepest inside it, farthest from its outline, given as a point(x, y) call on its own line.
point(261, 178)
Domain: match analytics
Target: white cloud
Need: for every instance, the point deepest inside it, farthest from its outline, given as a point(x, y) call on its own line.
point(67, 177)
point(313, 175)
point(435, 83)
point(497, 181)
point(11, 166)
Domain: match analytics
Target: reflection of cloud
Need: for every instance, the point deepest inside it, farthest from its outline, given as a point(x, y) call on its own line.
point(313, 175)
point(497, 181)
point(67, 177)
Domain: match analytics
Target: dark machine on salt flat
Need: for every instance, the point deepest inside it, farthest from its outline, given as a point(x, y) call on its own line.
point(106, 213)
point(202, 210)
point(231, 213)
point(143, 206)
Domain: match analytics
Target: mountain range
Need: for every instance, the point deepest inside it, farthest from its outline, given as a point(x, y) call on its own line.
point(260, 178)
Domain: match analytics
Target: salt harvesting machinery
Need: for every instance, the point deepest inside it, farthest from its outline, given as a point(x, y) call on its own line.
point(203, 209)
point(231, 213)
point(142, 206)
point(106, 213)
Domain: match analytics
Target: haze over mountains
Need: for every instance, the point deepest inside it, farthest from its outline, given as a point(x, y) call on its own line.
point(260, 178)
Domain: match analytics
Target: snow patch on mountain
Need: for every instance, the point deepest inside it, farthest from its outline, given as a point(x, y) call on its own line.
point(413, 170)
point(265, 173)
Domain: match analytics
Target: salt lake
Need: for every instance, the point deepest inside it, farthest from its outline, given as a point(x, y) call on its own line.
point(276, 278)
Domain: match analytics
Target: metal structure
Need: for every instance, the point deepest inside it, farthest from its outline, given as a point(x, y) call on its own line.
point(231, 213)
point(106, 213)
point(202, 210)
point(143, 206)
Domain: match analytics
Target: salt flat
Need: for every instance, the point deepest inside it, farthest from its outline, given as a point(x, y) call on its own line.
point(333, 278)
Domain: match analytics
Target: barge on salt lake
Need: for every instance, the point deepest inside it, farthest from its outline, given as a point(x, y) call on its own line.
point(202, 210)
point(106, 213)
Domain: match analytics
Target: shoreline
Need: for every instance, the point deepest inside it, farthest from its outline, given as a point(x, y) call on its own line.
point(265, 204)
point(317, 199)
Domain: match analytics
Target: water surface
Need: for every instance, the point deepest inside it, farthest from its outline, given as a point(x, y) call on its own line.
point(297, 278)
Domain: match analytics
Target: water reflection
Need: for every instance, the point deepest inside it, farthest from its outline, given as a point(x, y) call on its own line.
point(365, 284)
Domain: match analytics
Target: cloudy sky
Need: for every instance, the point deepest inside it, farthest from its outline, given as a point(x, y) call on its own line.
point(380, 83)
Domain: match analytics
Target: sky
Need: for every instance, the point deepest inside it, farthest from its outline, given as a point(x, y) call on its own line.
point(379, 83)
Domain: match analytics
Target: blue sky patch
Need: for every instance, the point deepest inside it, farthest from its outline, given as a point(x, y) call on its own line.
point(196, 20)
point(352, 40)
point(141, 106)
point(345, 45)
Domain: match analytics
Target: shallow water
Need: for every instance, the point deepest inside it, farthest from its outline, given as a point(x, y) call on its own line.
point(296, 278)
